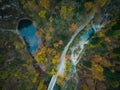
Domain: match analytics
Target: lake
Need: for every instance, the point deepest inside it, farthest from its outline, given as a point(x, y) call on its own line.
point(28, 32)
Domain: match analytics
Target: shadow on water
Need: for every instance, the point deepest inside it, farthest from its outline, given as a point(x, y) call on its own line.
point(24, 23)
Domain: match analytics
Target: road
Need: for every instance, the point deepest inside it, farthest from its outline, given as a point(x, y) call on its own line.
point(12, 31)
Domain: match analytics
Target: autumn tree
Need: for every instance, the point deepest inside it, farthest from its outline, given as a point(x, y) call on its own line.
point(55, 45)
point(42, 14)
point(60, 80)
point(51, 19)
point(73, 27)
point(97, 72)
point(100, 34)
point(31, 5)
point(60, 42)
point(85, 87)
point(106, 63)
point(55, 59)
point(49, 50)
point(35, 77)
point(41, 55)
point(96, 59)
point(48, 36)
point(53, 71)
point(40, 59)
point(70, 9)
point(54, 52)
point(67, 57)
point(41, 86)
point(68, 66)
point(63, 11)
point(88, 5)
point(66, 12)
point(88, 26)
point(45, 3)
point(101, 2)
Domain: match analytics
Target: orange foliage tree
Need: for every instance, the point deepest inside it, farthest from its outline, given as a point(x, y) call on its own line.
point(96, 59)
point(60, 42)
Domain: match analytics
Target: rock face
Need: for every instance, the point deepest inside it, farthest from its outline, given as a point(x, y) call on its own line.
point(9, 13)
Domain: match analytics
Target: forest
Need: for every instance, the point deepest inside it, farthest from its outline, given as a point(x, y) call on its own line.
point(56, 22)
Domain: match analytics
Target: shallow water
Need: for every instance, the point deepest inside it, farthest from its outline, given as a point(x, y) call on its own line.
point(83, 38)
point(87, 35)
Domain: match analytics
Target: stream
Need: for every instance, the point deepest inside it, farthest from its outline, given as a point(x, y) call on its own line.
point(75, 56)
point(61, 66)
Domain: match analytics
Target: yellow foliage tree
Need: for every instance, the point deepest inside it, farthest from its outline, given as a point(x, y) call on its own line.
point(54, 61)
point(41, 54)
point(61, 81)
point(42, 13)
point(97, 76)
point(88, 26)
point(105, 63)
point(55, 45)
point(102, 2)
point(40, 59)
point(70, 9)
point(51, 19)
point(49, 50)
point(100, 34)
point(53, 71)
point(97, 68)
point(57, 57)
point(97, 72)
point(107, 39)
point(35, 78)
point(48, 36)
point(45, 3)
point(63, 11)
point(85, 87)
point(66, 77)
point(41, 86)
point(68, 66)
point(54, 52)
point(88, 5)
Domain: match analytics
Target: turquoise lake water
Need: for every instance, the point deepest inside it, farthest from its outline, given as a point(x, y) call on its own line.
point(28, 31)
